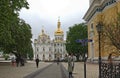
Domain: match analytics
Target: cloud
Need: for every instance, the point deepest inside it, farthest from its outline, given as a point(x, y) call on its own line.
point(46, 12)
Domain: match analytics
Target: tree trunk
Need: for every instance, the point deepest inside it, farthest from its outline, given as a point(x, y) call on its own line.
point(77, 56)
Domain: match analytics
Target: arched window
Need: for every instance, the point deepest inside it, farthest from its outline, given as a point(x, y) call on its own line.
point(49, 49)
point(92, 26)
point(37, 49)
point(43, 49)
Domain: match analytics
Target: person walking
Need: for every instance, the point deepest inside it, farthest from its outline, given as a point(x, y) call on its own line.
point(110, 63)
point(13, 61)
point(58, 60)
point(22, 61)
point(110, 58)
point(17, 61)
point(37, 61)
point(70, 65)
point(73, 60)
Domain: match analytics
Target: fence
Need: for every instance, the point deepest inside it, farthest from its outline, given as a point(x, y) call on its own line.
point(110, 70)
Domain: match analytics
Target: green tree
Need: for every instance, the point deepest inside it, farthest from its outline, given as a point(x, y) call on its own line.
point(15, 34)
point(9, 11)
point(78, 31)
point(30, 52)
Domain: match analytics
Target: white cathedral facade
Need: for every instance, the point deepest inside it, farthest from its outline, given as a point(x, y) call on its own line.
point(49, 50)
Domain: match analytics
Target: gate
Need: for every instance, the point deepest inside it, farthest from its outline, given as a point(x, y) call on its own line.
point(110, 70)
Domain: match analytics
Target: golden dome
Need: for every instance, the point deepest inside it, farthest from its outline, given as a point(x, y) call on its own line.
point(59, 31)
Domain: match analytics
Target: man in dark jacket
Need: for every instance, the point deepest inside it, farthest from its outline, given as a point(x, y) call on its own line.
point(37, 62)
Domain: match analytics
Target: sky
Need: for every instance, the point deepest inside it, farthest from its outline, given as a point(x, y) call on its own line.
point(44, 14)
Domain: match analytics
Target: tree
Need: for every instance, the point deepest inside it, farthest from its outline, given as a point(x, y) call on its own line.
point(8, 18)
point(78, 31)
point(113, 31)
point(30, 52)
point(15, 33)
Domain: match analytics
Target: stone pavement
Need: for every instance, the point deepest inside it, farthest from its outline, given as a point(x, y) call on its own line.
point(52, 71)
point(9, 71)
point(47, 70)
point(91, 70)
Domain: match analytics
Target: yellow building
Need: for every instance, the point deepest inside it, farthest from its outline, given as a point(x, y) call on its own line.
point(104, 11)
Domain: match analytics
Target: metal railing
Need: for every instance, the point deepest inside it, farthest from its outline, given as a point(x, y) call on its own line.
point(110, 70)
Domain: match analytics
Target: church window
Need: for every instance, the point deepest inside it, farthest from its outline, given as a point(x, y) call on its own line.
point(92, 26)
point(61, 50)
point(49, 49)
point(49, 55)
point(43, 49)
point(51, 44)
point(37, 49)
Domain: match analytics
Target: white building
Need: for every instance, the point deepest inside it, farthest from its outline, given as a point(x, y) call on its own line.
point(47, 49)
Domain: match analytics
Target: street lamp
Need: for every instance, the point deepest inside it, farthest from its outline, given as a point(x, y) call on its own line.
point(99, 29)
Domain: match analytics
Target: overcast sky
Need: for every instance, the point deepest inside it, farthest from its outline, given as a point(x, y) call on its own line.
point(45, 13)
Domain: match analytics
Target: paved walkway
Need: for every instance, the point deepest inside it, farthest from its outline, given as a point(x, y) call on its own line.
point(9, 71)
point(47, 70)
point(51, 71)
point(91, 70)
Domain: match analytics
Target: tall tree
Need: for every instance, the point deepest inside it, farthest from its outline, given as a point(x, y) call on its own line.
point(78, 31)
point(15, 34)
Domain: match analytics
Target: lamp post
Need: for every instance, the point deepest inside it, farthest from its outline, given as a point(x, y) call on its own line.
point(99, 29)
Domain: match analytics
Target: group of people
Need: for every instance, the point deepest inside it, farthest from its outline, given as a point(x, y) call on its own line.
point(17, 61)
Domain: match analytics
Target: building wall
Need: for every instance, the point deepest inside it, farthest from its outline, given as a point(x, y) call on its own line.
point(49, 50)
point(90, 1)
point(59, 46)
point(107, 16)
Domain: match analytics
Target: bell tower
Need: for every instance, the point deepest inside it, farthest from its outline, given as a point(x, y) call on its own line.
point(59, 41)
point(59, 32)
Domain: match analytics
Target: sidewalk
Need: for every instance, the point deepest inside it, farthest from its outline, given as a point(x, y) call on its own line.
point(9, 71)
point(51, 71)
point(91, 70)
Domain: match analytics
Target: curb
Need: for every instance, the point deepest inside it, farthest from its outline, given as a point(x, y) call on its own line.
point(64, 72)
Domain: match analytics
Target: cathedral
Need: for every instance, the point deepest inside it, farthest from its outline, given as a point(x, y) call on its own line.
point(47, 49)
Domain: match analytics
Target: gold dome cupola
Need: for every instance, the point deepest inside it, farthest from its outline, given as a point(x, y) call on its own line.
point(59, 31)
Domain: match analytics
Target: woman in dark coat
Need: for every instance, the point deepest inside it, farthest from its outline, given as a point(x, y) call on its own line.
point(37, 62)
